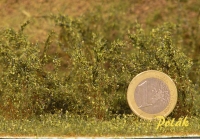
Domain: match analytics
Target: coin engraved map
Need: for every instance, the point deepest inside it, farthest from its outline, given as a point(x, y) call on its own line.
point(152, 95)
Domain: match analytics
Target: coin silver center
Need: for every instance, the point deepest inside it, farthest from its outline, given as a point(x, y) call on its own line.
point(152, 95)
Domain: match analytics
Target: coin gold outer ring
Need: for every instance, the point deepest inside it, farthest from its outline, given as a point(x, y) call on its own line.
point(152, 74)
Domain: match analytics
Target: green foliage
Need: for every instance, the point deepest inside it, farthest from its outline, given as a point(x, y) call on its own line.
point(98, 72)
point(73, 126)
point(26, 87)
point(75, 83)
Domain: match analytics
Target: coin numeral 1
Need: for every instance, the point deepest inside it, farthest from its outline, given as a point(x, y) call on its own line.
point(144, 89)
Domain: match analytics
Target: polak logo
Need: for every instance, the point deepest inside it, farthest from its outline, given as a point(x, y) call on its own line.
point(181, 122)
